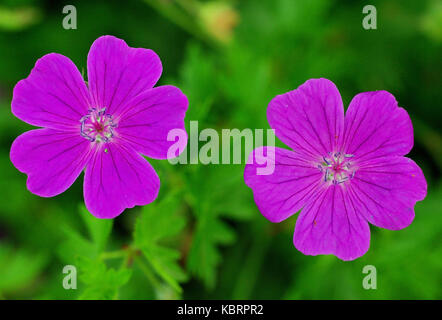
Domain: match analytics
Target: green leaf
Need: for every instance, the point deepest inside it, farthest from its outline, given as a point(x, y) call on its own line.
point(76, 244)
point(215, 193)
point(99, 229)
point(101, 282)
point(198, 76)
point(204, 255)
point(160, 222)
point(19, 268)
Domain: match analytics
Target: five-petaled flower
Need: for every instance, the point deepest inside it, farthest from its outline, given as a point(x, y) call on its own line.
point(102, 127)
point(343, 172)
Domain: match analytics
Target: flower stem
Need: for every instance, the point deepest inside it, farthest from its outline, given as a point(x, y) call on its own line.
point(181, 19)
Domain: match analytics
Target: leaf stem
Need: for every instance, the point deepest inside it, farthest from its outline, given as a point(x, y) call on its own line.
point(148, 273)
point(114, 254)
point(248, 276)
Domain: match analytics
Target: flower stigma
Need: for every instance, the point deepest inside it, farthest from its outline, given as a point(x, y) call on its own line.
point(97, 125)
point(337, 167)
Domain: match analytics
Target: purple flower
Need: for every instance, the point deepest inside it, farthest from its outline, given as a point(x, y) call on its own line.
point(343, 172)
point(102, 127)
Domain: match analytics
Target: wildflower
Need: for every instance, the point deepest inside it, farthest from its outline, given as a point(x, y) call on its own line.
point(343, 172)
point(102, 127)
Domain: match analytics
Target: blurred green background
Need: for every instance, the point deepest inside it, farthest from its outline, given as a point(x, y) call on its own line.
point(204, 237)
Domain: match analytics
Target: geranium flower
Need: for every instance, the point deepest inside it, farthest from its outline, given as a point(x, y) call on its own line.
point(103, 126)
point(343, 172)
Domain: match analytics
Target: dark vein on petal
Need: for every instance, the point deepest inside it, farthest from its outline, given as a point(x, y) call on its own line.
point(49, 142)
point(314, 130)
point(369, 136)
point(65, 103)
point(371, 183)
point(117, 86)
point(382, 145)
point(349, 140)
point(127, 93)
point(312, 186)
point(375, 202)
point(104, 85)
point(303, 138)
point(130, 165)
point(142, 110)
point(65, 82)
point(67, 149)
point(295, 179)
point(114, 164)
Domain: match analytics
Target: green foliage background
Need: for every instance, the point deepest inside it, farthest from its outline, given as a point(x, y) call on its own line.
point(204, 237)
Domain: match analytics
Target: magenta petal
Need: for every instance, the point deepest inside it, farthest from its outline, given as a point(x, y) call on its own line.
point(385, 191)
point(147, 120)
point(54, 95)
point(286, 190)
point(52, 159)
point(330, 224)
point(117, 72)
point(309, 119)
point(118, 178)
point(375, 126)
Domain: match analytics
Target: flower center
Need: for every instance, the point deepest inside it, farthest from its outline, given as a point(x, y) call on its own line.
point(337, 167)
point(97, 125)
